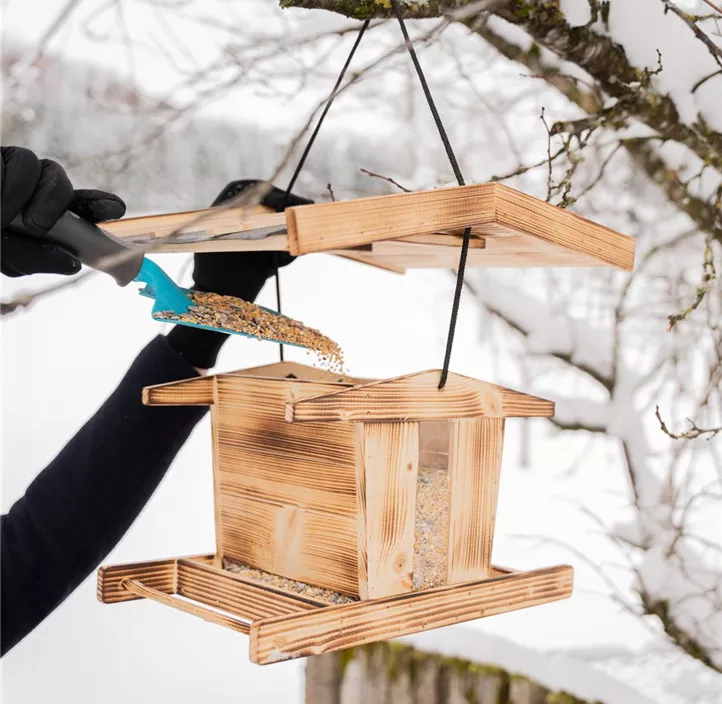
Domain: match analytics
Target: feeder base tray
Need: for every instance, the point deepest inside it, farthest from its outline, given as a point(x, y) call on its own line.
point(283, 625)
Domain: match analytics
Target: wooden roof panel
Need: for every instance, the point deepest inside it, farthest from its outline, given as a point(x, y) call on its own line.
point(400, 231)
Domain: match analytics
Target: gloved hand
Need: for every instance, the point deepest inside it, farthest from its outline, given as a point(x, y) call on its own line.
point(240, 274)
point(40, 191)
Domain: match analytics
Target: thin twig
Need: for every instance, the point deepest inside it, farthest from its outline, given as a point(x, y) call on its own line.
point(549, 155)
point(386, 178)
point(330, 192)
point(694, 431)
point(713, 49)
point(709, 275)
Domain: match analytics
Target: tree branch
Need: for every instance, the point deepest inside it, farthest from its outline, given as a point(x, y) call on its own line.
point(693, 433)
point(598, 55)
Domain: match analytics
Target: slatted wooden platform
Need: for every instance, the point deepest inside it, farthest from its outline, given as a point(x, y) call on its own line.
point(282, 626)
point(399, 232)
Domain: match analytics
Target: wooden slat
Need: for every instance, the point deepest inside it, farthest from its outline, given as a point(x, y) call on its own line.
point(271, 243)
point(483, 258)
point(143, 591)
point(315, 228)
point(349, 625)
point(309, 546)
point(390, 457)
point(189, 392)
point(475, 451)
point(159, 574)
point(511, 249)
point(411, 250)
point(224, 590)
point(363, 572)
point(562, 228)
point(371, 260)
point(417, 397)
point(209, 221)
point(262, 456)
point(437, 239)
point(217, 492)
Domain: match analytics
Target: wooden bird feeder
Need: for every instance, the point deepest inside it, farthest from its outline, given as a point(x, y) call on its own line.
point(381, 494)
point(378, 496)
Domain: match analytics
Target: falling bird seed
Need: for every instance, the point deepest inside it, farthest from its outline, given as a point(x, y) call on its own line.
point(233, 314)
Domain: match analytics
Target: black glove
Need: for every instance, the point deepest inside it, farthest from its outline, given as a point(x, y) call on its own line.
point(240, 274)
point(40, 191)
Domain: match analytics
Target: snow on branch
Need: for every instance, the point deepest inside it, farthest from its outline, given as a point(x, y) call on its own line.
point(599, 55)
point(547, 333)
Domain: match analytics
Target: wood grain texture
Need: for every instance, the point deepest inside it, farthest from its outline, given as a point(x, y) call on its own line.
point(417, 397)
point(208, 222)
point(315, 228)
point(159, 574)
point(189, 392)
point(492, 206)
point(505, 247)
point(261, 456)
point(363, 573)
point(141, 590)
point(217, 493)
point(349, 625)
point(563, 228)
point(229, 592)
point(390, 457)
point(478, 259)
point(309, 546)
point(271, 243)
point(475, 451)
point(439, 239)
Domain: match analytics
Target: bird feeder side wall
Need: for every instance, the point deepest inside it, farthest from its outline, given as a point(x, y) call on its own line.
point(475, 454)
point(285, 493)
point(387, 465)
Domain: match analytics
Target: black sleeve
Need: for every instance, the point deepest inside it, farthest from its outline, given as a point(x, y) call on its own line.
point(79, 506)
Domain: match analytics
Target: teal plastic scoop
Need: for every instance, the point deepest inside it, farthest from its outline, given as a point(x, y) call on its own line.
point(96, 248)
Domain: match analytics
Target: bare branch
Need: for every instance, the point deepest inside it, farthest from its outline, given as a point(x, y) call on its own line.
point(386, 178)
point(694, 432)
point(691, 22)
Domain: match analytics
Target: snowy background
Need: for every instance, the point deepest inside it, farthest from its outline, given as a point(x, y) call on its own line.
point(164, 103)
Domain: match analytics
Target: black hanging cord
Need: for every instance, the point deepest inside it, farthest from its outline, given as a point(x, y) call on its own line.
point(278, 299)
point(460, 180)
point(327, 107)
point(306, 151)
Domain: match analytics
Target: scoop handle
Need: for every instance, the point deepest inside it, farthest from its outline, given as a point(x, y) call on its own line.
point(91, 245)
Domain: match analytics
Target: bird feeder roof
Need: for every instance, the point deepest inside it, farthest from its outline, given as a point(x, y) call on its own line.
point(410, 397)
point(401, 231)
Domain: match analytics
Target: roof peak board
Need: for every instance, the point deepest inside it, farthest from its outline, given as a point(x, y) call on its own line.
point(417, 397)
